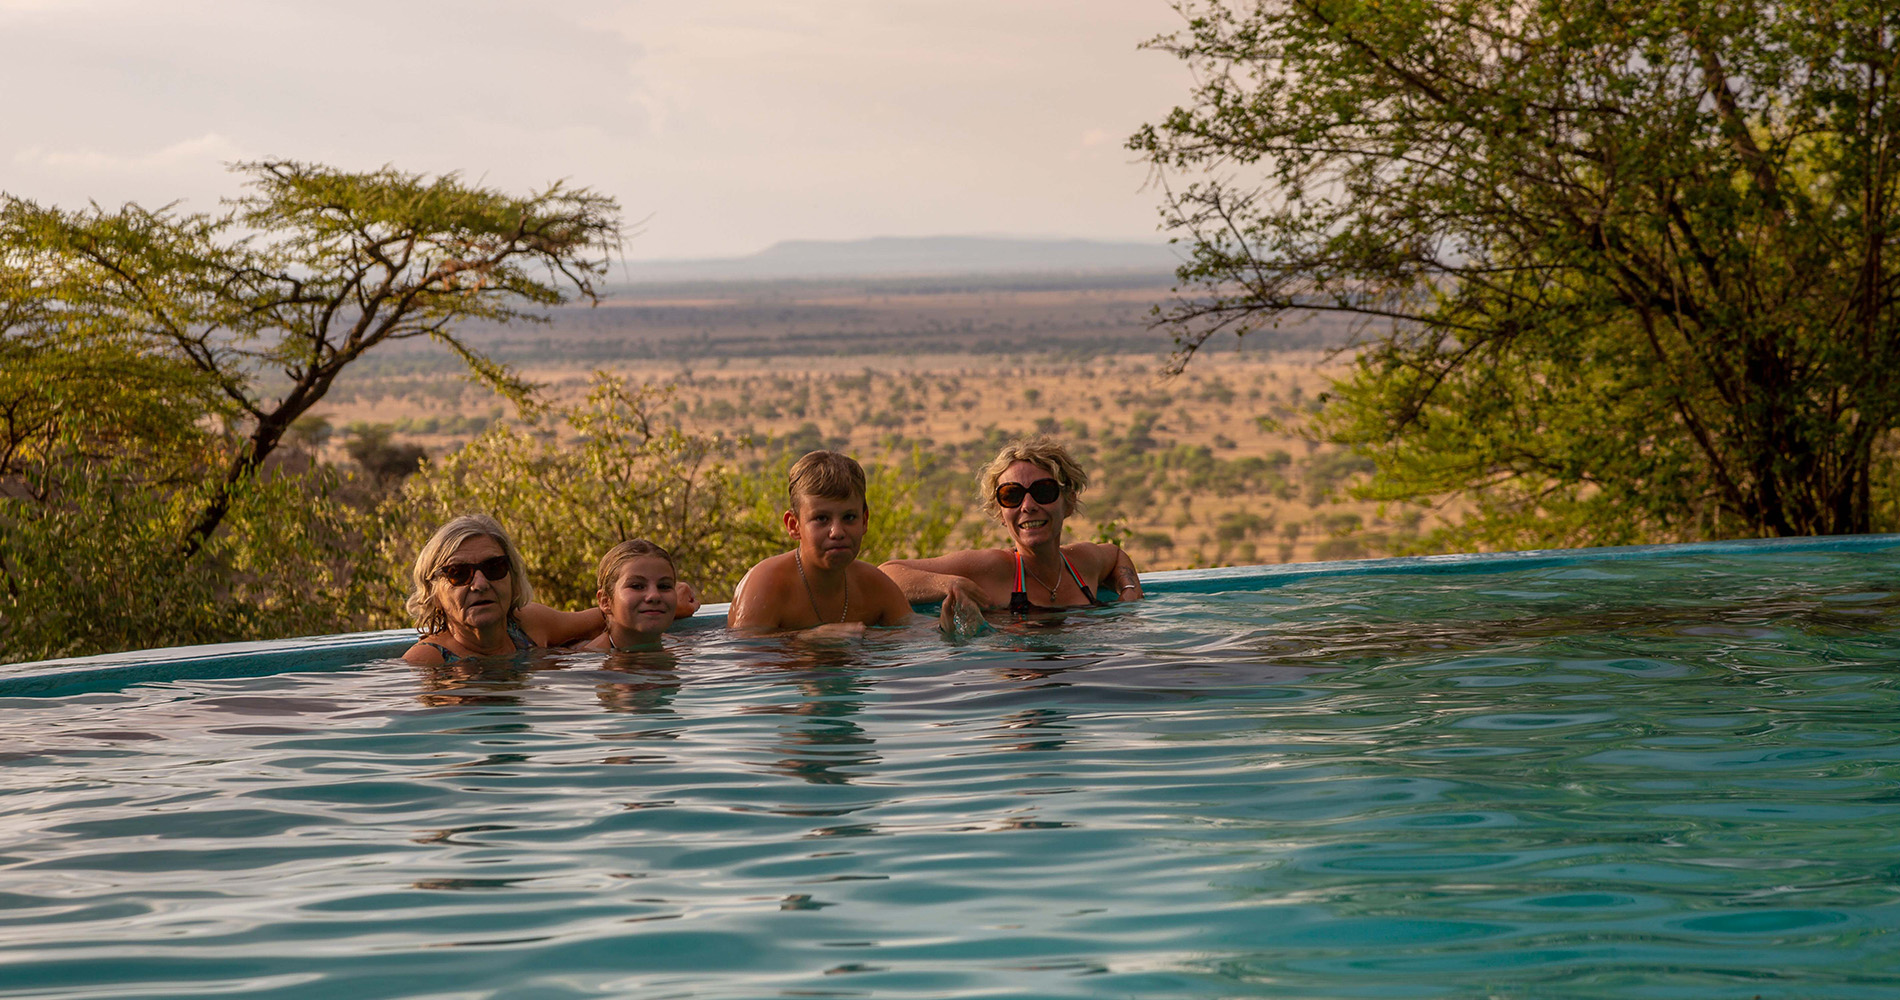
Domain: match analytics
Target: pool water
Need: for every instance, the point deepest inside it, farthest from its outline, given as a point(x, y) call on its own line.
point(1676, 776)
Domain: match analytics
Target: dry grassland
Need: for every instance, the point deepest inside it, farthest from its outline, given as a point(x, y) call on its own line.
point(1203, 469)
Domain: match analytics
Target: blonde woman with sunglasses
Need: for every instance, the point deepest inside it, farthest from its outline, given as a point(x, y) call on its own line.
point(1031, 487)
point(471, 598)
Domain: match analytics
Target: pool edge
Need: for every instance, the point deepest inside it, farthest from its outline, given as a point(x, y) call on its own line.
point(80, 675)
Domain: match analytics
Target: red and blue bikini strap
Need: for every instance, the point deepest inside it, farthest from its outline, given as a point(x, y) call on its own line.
point(1087, 591)
point(1019, 598)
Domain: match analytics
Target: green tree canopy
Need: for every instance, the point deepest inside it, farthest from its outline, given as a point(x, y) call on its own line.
point(152, 360)
point(1623, 264)
point(273, 298)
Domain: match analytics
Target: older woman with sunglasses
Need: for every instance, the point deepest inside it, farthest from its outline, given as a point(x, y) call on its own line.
point(1031, 487)
point(471, 598)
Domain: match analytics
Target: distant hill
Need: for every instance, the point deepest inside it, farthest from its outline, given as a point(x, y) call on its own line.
point(892, 256)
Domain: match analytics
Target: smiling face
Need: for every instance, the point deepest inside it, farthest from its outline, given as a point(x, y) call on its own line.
point(480, 602)
point(644, 599)
point(1032, 524)
point(829, 532)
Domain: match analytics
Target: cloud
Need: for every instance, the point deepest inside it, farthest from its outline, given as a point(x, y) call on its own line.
point(732, 125)
point(210, 149)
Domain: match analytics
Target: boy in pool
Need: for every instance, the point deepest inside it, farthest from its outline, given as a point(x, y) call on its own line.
point(641, 595)
point(821, 582)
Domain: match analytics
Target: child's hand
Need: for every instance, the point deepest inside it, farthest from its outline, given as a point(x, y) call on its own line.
point(688, 601)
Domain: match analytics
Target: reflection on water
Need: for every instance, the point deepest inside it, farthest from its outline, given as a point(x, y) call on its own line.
point(1032, 730)
point(819, 741)
point(479, 681)
point(1420, 618)
point(640, 683)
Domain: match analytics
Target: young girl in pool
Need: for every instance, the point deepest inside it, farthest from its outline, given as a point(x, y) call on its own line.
point(640, 594)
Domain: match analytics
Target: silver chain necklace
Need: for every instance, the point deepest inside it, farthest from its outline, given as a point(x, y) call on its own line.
point(820, 615)
point(1033, 576)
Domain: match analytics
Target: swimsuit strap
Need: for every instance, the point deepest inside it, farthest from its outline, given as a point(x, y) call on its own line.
point(1019, 598)
point(516, 634)
point(1087, 591)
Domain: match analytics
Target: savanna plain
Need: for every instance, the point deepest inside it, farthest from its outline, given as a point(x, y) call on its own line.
point(1215, 466)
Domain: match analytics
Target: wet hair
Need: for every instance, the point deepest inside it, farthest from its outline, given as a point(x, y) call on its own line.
point(1040, 451)
point(617, 558)
point(827, 475)
point(424, 610)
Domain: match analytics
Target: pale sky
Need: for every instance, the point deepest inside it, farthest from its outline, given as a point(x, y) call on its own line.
point(727, 125)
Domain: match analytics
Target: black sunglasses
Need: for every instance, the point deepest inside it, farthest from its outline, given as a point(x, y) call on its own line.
point(459, 574)
point(1045, 491)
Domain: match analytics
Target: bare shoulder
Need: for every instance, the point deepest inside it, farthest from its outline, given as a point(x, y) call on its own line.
point(773, 573)
point(881, 594)
point(992, 562)
point(424, 654)
point(874, 581)
point(987, 565)
point(762, 593)
point(1093, 560)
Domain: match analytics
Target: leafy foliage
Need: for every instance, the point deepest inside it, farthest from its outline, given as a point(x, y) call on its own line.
point(152, 361)
point(1625, 266)
point(581, 479)
point(106, 460)
point(301, 277)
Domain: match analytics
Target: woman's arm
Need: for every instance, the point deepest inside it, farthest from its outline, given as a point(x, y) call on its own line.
point(1123, 577)
point(548, 627)
point(1114, 569)
point(935, 579)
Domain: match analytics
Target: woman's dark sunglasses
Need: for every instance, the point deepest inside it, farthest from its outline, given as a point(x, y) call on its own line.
point(1044, 491)
point(459, 574)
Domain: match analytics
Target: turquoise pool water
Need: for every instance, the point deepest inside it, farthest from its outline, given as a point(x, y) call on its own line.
point(1665, 776)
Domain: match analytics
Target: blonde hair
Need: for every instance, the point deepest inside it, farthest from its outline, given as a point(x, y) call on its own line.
point(620, 555)
point(422, 606)
point(827, 475)
point(1040, 451)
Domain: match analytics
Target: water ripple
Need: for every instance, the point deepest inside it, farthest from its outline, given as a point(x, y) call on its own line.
point(1657, 779)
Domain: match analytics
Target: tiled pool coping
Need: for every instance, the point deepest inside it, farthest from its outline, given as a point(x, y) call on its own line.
point(49, 678)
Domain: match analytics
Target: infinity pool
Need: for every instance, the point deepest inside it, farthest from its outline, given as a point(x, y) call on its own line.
point(1663, 773)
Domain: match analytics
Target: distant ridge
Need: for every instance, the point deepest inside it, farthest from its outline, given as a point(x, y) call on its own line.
point(904, 256)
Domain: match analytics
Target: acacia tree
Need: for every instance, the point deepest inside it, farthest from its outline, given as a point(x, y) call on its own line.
point(1622, 264)
point(273, 298)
